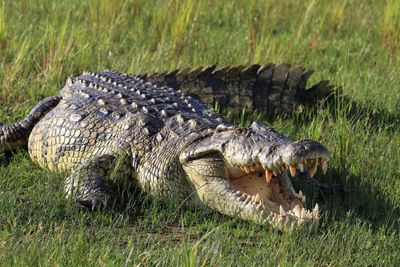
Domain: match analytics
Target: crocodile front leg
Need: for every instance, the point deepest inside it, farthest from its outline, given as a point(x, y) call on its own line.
point(16, 134)
point(95, 182)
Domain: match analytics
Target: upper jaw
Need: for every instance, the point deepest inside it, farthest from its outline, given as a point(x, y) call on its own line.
point(274, 160)
point(293, 154)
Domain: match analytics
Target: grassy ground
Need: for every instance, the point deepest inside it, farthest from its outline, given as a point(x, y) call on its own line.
point(355, 44)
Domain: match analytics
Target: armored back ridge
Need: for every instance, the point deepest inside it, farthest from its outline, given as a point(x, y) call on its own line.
point(108, 129)
point(270, 88)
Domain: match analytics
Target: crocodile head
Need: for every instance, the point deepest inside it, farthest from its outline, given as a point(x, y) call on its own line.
point(244, 173)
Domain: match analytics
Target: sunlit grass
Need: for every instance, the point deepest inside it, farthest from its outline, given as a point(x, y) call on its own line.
point(390, 24)
point(354, 44)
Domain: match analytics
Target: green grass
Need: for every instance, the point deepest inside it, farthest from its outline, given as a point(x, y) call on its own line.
point(355, 44)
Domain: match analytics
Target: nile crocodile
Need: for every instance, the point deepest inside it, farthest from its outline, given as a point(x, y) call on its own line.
point(107, 128)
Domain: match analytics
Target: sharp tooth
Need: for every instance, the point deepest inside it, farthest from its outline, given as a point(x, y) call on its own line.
point(292, 170)
point(238, 193)
point(246, 169)
point(297, 211)
point(315, 211)
point(302, 197)
point(303, 213)
point(281, 211)
point(248, 199)
point(301, 167)
point(268, 175)
point(276, 172)
point(257, 198)
point(324, 166)
point(313, 168)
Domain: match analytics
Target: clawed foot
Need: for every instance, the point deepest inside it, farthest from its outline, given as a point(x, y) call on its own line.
point(99, 202)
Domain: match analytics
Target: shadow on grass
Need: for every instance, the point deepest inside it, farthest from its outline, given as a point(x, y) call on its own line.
point(338, 105)
point(353, 199)
point(6, 157)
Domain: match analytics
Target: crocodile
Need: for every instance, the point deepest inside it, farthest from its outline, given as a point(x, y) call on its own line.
point(108, 128)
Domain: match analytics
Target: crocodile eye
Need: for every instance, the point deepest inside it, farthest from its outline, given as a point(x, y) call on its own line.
point(240, 131)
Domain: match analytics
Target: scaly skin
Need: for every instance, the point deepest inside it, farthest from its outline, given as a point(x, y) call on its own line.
point(16, 135)
point(269, 88)
point(111, 127)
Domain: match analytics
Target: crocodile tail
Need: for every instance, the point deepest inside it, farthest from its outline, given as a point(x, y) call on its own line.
point(269, 88)
point(16, 134)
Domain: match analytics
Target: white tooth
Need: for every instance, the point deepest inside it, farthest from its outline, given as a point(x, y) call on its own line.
point(316, 211)
point(276, 172)
point(301, 167)
point(292, 169)
point(297, 211)
point(303, 213)
point(324, 166)
point(313, 168)
point(248, 199)
point(246, 169)
point(238, 193)
point(257, 198)
point(268, 175)
point(282, 211)
point(302, 196)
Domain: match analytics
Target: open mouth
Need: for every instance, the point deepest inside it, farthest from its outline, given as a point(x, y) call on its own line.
point(272, 191)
